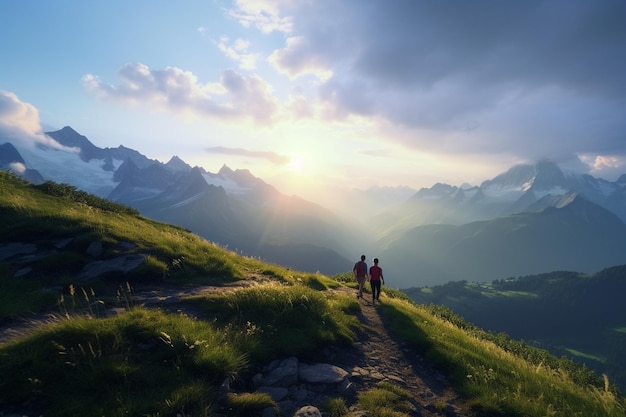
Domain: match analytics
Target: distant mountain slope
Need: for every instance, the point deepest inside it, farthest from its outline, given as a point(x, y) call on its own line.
point(573, 235)
point(11, 160)
point(504, 227)
point(569, 313)
point(517, 190)
point(88, 151)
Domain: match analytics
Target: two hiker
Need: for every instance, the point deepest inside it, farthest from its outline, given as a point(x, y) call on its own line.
point(375, 277)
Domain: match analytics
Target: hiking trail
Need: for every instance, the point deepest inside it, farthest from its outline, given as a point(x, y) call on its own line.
point(377, 355)
point(381, 357)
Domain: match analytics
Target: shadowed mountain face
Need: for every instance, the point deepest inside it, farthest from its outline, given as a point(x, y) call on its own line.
point(568, 313)
point(530, 219)
point(575, 235)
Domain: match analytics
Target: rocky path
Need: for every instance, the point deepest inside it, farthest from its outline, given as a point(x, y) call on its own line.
point(380, 357)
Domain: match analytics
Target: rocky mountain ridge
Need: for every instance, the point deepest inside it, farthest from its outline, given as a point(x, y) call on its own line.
point(439, 234)
point(231, 207)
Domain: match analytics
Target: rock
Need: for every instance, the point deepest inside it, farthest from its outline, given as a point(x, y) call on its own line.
point(287, 408)
point(300, 394)
point(95, 249)
point(23, 272)
point(257, 380)
point(269, 412)
point(126, 245)
point(308, 411)
point(346, 389)
point(223, 390)
point(120, 264)
point(63, 243)
point(321, 373)
point(284, 375)
point(11, 249)
point(277, 393)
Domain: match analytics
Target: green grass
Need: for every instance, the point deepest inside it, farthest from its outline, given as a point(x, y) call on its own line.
point(137, 363)
point(21, 296)
point(48, 215)
point(385, 400)
point(148, 362)
point(247, 404)
point(289, 320)
point(335, 407)
point(497, 381)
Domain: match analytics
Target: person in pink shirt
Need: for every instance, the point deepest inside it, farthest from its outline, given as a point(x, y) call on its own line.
point(376, 278)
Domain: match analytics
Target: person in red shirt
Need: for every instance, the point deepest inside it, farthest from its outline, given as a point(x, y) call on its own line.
point(376, 277)
point(360, 273)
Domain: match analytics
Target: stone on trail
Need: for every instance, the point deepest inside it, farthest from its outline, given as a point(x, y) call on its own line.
point(321, 373)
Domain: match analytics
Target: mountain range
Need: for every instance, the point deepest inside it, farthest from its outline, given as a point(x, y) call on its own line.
point(533, 218)
point(232, 207)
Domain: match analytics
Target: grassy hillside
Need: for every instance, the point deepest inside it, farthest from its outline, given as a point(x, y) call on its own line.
point(103, 354)
point(577, 315)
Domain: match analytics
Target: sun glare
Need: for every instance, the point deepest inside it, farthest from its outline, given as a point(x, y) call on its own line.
point(296, 165)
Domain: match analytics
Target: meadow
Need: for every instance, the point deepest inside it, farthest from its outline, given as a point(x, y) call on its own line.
point(100, 353)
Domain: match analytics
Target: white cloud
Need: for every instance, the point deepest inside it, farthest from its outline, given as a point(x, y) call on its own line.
point(299, 58)
point(300, 108)
point(235, 96)
point(17, 167)
point(609, 167)
point(18, 116)
point(262, 14)
point(239, 52)
point(19, 122)
point(273, 157)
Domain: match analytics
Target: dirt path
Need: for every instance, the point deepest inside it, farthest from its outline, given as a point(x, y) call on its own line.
point(380, 357)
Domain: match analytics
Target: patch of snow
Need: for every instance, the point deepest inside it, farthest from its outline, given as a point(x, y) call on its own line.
point(526, 186)
point(187, 201)
point(61, 167)
point(145, 192)
point(504, 194)
point(228, 184)
point(566, 200)
point(551, 191)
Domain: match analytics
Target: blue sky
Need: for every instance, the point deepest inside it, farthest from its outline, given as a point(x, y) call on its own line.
point(310, 95)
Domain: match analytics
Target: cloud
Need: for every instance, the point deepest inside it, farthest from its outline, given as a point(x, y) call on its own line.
point(17, 167)
point(262, 14)
point(235, 96)
point(238, 51)
point(17, 116)
point(605, 166)
point(273, 157)
point(296, 60)
point(19, 122)
point(519, 78)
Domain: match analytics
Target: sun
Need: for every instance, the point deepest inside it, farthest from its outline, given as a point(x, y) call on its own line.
point(296, 165)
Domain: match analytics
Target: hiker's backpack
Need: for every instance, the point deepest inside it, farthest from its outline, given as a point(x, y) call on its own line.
point(360, 266)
